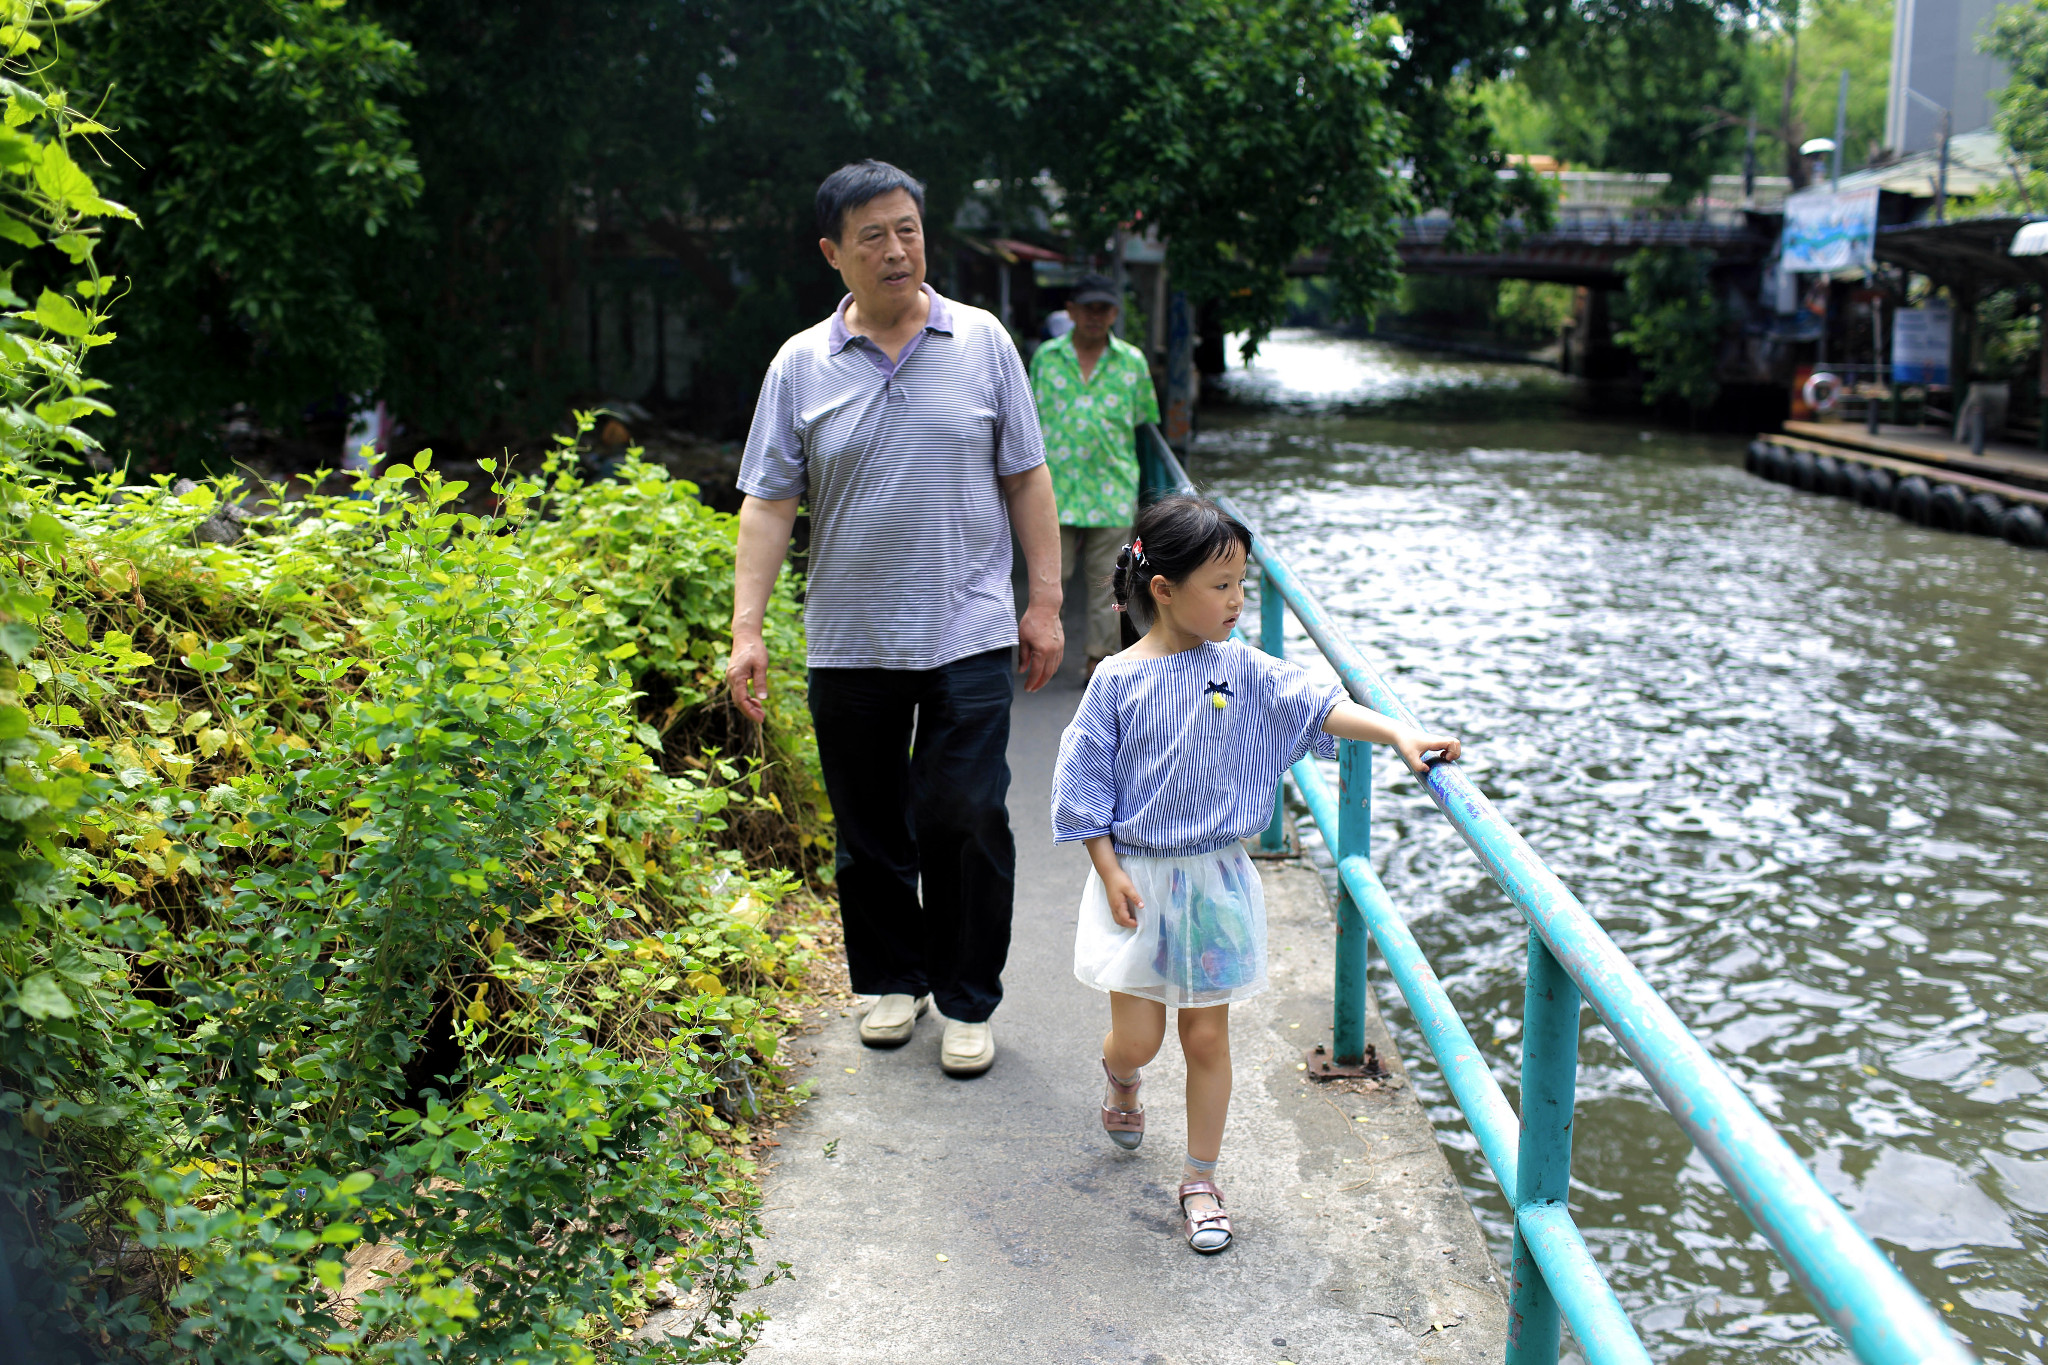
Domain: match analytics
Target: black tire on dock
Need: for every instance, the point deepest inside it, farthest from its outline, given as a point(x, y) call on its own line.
point(1877, 488)
point(1753, 458)
point(1986, 510)
point(1910, 499)
point(1804, 472)
point(2024, 525)
point(1948, 508)
point(1855, 481)
point(1827, 475)
point(1771, 464)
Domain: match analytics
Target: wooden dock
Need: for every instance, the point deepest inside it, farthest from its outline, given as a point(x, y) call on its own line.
point(1925, 480)
point(2007, 461)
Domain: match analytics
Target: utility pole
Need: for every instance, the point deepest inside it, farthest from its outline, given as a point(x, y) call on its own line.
point(1841, 128)
point(1941, 175)
point(1795, 164)
point(1941, 179)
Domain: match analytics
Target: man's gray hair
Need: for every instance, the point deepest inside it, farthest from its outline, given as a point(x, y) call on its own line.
point(854, 184)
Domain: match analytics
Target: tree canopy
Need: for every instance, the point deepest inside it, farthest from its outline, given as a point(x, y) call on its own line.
point(1600, 88)
point(403, 197)
point(257, 143)
point(1614, 98)
point(2019, 35)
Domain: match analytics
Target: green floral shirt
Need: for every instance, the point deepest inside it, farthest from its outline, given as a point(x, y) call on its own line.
point(1090, 428)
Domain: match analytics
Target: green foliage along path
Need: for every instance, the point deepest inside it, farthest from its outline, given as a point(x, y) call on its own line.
point(355, 889)
point(366, 914)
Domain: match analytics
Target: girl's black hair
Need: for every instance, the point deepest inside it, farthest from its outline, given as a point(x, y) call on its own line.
point(1172, 538)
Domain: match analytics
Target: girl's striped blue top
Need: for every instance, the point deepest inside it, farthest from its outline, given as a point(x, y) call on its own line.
point(1153, 762)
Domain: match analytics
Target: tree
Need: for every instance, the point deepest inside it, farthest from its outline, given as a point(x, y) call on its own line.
point(1600, 88)
point(1621, 98)
point(2019, 35)
point(1455, 50)
point(519, 160)
point(257, 142)
point(1674, 324)
point(565, 145)
point(1248, 136)
point(1795, 71)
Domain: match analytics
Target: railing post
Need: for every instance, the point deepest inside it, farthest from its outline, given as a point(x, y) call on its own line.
point(1550, 1069)
point(1273, 639)
point(1354, 840)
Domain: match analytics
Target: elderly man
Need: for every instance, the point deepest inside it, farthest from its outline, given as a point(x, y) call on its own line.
point(905, 422)
point(1093, 390)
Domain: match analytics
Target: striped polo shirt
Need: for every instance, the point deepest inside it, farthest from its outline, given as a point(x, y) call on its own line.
point(1153, 762)
point(910, 536)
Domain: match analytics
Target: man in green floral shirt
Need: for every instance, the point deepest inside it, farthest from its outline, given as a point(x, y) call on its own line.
point(1093, 389)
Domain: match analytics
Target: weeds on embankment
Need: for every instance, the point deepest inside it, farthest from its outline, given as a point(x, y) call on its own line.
point(387, 972)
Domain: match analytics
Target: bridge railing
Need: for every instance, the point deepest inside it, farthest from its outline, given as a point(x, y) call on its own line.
point(1602, 225)
point(1850, 1282)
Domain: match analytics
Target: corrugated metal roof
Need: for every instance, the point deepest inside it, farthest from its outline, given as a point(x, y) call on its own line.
point(1976, 162)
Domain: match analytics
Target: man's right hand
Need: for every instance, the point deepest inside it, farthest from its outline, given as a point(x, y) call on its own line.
point(763, 540)
point(746, 676)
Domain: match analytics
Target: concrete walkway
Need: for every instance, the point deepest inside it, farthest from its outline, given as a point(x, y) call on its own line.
point(934, 1220)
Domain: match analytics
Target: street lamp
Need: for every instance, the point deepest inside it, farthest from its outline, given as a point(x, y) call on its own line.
point(1815, 148)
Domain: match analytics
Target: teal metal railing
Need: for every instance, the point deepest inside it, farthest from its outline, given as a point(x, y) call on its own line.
point(1571, 959)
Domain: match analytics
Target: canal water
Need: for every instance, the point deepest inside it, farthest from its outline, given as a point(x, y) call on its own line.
point(1792, 752)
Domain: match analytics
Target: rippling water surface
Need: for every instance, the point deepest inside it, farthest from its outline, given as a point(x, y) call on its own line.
point(1792, 752)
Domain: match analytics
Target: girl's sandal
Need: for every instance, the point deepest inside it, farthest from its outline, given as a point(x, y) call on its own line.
point(1126, 1127)
point(1203, 1225)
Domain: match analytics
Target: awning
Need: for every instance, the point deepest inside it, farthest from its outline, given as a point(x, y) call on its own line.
point(2031, 240)
point(1977, 162)
point(1026, 251)
point(1011, 251)
point(1963, 249)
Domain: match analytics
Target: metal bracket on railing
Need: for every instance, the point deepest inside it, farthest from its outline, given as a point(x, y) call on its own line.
point(1323, 1067)
point(1290, 846)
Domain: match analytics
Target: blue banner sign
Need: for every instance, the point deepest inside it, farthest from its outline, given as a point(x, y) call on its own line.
point(1827, 232)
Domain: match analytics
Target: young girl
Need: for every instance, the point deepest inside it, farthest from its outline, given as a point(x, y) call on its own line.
point(1169, 765)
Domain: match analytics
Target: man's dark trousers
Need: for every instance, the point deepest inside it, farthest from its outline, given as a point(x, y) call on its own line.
point(926, 806)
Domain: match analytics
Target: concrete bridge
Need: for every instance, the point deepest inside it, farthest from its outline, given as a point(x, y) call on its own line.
point(1601, 218)
point(1580, 248)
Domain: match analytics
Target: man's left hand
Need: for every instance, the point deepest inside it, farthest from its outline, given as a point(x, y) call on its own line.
point(1041, 644)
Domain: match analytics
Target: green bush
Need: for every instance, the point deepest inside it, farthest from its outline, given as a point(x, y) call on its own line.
point(1535, 310)
point(1674, 324)
point(355, 892)
point(353, 907)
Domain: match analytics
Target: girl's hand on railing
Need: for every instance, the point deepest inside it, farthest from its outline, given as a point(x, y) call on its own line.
point(1349, 720)
point(1416, 747)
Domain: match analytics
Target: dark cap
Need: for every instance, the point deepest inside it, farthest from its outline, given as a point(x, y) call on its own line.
point(1096, 289)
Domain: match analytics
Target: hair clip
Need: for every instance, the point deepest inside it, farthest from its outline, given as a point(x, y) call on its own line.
point(1137, 547)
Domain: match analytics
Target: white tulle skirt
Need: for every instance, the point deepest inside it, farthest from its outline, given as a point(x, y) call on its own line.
point(1201, 935)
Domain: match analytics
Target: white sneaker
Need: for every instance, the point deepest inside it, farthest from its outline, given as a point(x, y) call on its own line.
point(889, 1021)
point(968, 1050)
